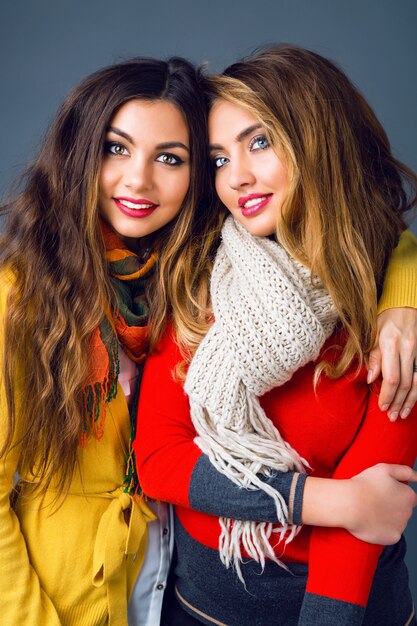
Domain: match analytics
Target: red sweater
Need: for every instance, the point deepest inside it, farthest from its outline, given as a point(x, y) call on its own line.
point(339, 430)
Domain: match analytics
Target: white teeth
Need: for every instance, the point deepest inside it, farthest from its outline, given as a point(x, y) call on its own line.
point(254, 201)
point(134, 205)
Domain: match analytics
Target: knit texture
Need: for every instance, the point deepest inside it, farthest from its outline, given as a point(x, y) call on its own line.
point(401, 275)
point(127, 325)
point(339, 428)
point(271, 318)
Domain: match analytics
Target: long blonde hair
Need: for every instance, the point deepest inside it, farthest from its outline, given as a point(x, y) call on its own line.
point(347, 196)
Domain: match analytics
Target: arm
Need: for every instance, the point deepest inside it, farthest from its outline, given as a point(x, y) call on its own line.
point(22, 599)
point(400, 280)
point(395, 349)
point(172, 468)
point(341, 567)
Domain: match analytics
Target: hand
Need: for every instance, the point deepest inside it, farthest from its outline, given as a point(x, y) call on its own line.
point(381, 504)
point(395, 354)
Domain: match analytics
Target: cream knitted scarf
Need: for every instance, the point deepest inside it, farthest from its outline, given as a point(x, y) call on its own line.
point(270, 320)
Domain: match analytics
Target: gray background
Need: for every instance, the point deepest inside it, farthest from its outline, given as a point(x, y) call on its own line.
point(46, 46)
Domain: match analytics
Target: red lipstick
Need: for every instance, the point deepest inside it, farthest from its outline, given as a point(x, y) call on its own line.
point(135, 207)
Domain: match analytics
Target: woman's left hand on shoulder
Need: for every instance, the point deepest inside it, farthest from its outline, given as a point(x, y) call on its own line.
point(395, 357)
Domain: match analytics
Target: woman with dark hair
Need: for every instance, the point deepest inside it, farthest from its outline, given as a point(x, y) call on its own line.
point(112, 233)
point(267, 455)
point(118, 190)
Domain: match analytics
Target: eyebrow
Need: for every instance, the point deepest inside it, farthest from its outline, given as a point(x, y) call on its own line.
point(161, 146)
point(242, 135)
point(117, 131)
point(172, 144)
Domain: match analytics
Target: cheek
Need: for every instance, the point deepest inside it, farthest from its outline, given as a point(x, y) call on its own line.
point(106, 178)
point(221, 187)
point(277, 176)
point(177, 189)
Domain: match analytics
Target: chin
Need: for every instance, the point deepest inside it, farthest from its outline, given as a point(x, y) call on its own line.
point(259, 231)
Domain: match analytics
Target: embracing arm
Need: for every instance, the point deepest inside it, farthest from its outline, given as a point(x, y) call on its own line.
point(172, 467)
point(400, 279)
point(395, 349)
point(22, 599)
point(342, 567)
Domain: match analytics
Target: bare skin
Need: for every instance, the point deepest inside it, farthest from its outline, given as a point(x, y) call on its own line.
point(359, 504)
point(394, 354)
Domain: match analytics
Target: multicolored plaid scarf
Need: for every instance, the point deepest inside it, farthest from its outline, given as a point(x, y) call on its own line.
point(128, 326)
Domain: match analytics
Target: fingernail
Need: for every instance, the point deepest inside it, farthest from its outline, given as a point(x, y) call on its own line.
point(369, 379)
point(405, 413)
point(393, 416)
point(384, 407)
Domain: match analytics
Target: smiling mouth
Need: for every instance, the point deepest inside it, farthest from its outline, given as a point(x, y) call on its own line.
point(253, 205)
point(136, 205)
point(140, 209)
point(253, 202)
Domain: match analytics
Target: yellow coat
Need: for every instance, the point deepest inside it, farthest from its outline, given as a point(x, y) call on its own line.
point(400, 282)
point(75, 565)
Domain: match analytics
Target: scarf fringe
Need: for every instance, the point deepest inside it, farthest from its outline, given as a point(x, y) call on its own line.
point(127, 325)
point(131, 482)
point(255, 538)
point(95, 400)
point(270, 320)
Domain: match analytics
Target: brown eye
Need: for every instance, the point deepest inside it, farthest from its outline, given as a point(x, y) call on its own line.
point(119, 149)
point(116, 148)
point(169, 159)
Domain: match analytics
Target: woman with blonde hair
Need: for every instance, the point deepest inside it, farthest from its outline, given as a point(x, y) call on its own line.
point(118, 190)
point(267, 456)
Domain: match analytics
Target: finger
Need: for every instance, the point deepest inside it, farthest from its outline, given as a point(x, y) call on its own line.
point(405, 382)
point(410, 399)
point(402, 473)
point(391, 375)
point(374, 364)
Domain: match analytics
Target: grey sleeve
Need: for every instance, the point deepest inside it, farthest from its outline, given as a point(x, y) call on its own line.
point(212, 492)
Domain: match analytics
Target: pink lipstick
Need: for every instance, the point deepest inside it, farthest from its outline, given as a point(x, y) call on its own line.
point(253, 203)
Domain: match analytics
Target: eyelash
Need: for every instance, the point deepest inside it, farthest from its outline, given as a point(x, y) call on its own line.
point(259, 138)
point(110, 148)
point(177, 159)
point(217, 167)
point(252, 142)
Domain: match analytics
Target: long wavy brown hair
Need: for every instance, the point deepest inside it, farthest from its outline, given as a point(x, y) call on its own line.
point(54, 251)
point(348, 194)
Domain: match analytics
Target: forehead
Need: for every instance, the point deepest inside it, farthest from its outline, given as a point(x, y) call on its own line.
point(155, 118)
point(228, 119)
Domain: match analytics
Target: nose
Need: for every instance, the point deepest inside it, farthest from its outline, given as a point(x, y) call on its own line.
point(139, 174)
point(240, 173)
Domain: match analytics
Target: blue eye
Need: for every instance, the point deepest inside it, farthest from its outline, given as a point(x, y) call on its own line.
point(116, 148)
point(169, 159)
point(219, 162)
point(260, 142)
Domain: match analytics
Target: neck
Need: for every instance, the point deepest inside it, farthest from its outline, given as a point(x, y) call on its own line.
point(139, 245)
